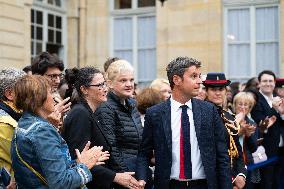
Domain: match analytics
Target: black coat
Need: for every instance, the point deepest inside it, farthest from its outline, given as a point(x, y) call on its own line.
point(123, 129)
point(81, 127)
point(272, 138)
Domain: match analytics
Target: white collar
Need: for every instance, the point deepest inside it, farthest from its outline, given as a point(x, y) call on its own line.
point(267, 98)
point(176, 105)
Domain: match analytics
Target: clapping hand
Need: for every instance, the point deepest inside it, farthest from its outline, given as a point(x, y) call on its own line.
point(62, 106)
point(267, 123)
point(55, 119)
point(104, 156)
point(278, 104)
point(89, 156)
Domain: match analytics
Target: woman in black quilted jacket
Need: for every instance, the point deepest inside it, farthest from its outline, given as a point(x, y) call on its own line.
point(120, 117)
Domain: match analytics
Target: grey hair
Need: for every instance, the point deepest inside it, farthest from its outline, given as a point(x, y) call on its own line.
point(8, 78)
point(178, 66)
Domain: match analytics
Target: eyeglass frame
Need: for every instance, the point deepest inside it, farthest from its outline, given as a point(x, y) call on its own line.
point(55, 76)
point(99, 85)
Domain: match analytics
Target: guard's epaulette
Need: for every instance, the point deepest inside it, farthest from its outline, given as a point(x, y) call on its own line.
point(233, 129)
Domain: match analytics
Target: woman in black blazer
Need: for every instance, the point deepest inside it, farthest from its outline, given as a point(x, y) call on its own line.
point(81, 127)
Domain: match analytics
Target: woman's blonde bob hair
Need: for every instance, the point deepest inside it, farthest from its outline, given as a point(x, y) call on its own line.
point(116, 68)
point(157, 83)
point(246, 97)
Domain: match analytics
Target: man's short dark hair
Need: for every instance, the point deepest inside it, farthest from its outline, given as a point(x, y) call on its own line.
point(178, 66)
point(45, 60)
point(268, 72)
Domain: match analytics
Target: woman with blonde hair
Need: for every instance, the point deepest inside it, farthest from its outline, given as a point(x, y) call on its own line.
point(163, 86)
point(120, 118)
point(243, 103)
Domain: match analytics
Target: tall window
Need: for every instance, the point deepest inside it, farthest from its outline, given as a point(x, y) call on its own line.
point(133, 35)
point(251, 40)
point(48, 27)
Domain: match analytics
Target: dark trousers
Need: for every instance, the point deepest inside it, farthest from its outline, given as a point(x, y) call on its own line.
point(269, 177)
point(201, 184)
point(281, 168)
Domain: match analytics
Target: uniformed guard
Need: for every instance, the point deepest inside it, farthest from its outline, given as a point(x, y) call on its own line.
point(215, 85)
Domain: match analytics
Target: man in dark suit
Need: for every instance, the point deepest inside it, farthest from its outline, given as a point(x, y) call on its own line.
point(273, 136)
point(186, 134)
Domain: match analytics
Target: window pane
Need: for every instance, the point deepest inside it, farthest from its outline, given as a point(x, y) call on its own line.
point(58, 22)
point(32, 48)
point(32, 16)
point(239, 60)
point(267, 23)
point(39, 17)
point(146, 65)
point(239, 24)
point(122, 33)
point(32, 32)
point(53, 49)
point(127, 55)
point(58, 3)
point(146, 32)
point(267, 57)
point(122, 4)
point(38, 48)
point(146, 3)
point(50, 2)
point(50, 20)
point(39, 33)
point(58, 37)
point(50, 36)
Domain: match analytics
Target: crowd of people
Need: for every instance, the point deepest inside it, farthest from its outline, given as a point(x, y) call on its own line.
point(84, 128)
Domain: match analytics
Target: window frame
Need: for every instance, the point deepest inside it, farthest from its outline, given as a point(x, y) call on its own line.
point(46, 9)
point(134, 13)
point(253, 42)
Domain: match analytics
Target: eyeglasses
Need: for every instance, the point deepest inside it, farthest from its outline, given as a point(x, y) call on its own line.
point(243, 105)
point(55, 76)
point(100, 85)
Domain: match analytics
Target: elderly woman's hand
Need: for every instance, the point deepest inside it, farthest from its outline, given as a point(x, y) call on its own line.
point(62, 106)
point(55, 119)
point(127, 180)
point(249, 129)
point(240, 117)
point(104, 156)
point(89, 156)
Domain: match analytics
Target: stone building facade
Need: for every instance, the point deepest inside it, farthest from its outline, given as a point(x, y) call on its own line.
point(239, 37)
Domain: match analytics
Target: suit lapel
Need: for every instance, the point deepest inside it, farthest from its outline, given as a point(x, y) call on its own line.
point(166, 120)
point(264, 102)
point(196, 117)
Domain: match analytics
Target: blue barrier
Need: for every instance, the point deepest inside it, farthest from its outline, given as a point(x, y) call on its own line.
point(262, 164)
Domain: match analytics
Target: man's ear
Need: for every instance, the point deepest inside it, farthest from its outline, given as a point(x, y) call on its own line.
point(9, 94)
point(177, 80)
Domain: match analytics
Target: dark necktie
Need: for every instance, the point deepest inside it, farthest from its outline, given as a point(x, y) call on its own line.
point(185, 148)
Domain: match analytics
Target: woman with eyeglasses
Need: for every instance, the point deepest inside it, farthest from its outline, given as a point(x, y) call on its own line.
point(243, 103)
point(80, 125)
point(51, 67)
